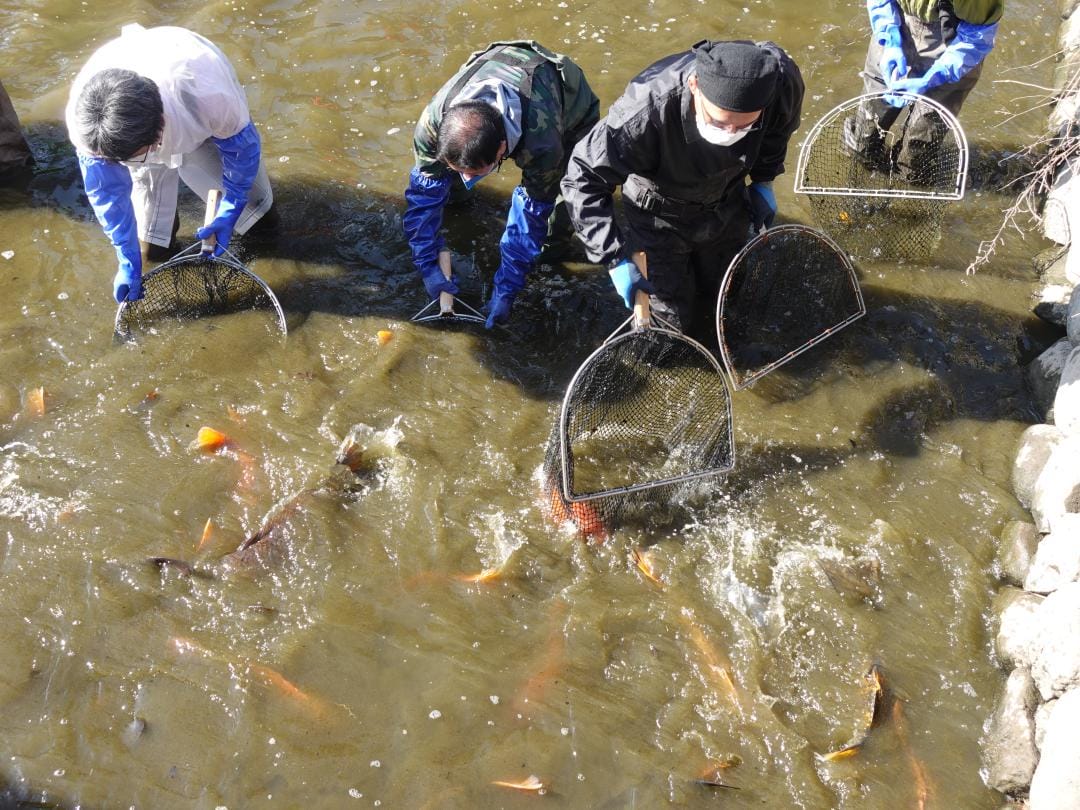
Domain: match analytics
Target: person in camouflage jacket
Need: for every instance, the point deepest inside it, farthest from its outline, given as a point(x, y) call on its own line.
point(514, 100)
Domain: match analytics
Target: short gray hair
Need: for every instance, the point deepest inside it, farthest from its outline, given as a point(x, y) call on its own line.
point(118, 113)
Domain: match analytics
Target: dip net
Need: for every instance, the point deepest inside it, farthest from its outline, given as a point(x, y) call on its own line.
point(194, 285)
point(880, 178)
point(648, 410)
point(787, 290)
point(446, 308)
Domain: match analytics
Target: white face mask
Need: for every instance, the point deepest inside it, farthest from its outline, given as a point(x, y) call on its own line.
point(717, 136)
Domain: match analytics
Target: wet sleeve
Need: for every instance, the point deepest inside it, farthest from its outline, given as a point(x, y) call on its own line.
point(613, 150)
point(782, 119)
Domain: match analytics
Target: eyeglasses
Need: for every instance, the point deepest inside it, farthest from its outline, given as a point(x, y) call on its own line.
point(137, 158)
point(712, 122)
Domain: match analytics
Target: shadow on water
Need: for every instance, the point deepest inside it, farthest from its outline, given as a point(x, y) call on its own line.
point(350, 258)
point(973, 351)
point(339, 250)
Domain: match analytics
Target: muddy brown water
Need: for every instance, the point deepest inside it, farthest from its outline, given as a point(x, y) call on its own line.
point(357, 665)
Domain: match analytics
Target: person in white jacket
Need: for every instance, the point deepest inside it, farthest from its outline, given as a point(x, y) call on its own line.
point(150, 108)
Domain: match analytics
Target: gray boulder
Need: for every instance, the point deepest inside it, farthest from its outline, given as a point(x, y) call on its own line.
point(1009, 747)
point(1053, 303)
point(1042, 718)
point(1044, 372)
point(1055, 665)
point(1036, 444)
point(1017, 627)
point(1057, 560)
point(1057, 489)
point(1072, 318)
point(1019, 541)
point(1056, 783)
point(1067, 398)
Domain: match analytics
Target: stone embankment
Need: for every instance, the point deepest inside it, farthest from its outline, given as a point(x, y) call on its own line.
point(1031, 746)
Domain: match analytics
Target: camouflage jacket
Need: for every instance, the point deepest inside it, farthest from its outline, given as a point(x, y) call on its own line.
point(558, 110)
point(976, 12)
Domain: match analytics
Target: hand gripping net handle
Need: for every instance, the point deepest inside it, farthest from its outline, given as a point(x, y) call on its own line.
point(193, 284)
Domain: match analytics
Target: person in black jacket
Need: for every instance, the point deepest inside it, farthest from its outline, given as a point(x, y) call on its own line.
point(682, 141)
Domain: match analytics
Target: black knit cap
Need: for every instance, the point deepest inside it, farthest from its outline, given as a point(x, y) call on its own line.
point(737, 76)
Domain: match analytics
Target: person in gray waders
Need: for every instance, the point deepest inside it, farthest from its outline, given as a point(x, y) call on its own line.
point(683, 140)
point(934, 48)
point(512, 100)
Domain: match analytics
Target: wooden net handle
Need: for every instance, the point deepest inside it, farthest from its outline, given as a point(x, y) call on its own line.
point(213, 199)
point(446, 300)
point(642, 315)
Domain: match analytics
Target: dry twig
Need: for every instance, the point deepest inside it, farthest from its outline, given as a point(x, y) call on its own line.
point(1048, 156)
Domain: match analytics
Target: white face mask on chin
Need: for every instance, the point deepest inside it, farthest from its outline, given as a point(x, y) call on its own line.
point(717, 136)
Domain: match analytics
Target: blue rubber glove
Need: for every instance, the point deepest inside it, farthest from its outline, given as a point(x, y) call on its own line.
point(221, 228)
point(424, 201)
point(498, 309)
point(526, 229)
point(628, 280)
point(762, 205)
point(885, 24)
point(969, 47)
point(108, 186)
point(240, 156)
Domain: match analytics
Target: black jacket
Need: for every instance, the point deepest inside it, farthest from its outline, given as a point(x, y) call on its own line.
point(650, 136)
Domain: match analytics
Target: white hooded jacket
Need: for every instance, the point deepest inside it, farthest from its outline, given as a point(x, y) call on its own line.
point(200, 94)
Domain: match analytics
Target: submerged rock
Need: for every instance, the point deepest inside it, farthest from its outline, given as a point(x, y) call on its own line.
point(1009, 750)
point(1019, 541)
point(1056, 783)
point(1057, 560)
point(1053, 304)
point(1036, 444)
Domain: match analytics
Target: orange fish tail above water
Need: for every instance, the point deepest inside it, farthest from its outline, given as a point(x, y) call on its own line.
point(210, 439)
point(583, 514)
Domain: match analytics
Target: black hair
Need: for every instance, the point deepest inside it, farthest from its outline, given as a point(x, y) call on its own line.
point(470, 135)
point(118, 113)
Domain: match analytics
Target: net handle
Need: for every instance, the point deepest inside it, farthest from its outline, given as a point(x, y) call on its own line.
point(446, 300)
point(213, 199)
point(641, 298)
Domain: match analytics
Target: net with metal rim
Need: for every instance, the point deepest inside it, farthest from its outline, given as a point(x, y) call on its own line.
point(460, 312)
point(649, 408)
point(880, 178)
point(787, 290)
point(446, 308)
point(193, 285)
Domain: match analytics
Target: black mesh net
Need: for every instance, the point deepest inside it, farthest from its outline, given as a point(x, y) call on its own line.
point(881, 227)
point(788, 289)
point(194, 286)
point(880, 177)
point(647, 409)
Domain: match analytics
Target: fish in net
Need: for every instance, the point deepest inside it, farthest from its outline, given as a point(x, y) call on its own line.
point(787, 290)
point(193, 285)
point(646, 412)
point(880, 178)
point(196, 283)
